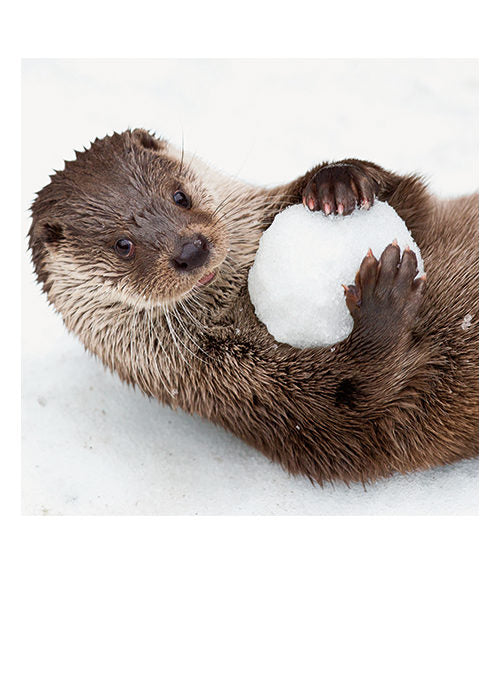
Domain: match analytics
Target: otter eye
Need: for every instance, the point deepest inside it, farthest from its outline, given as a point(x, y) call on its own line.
point(124, 248)
point(181, 199)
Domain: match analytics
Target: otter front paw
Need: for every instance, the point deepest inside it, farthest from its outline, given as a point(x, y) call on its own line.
point(339, 188)
point(386, 297)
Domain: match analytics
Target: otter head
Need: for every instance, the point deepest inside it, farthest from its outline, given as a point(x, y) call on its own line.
point(126, 221)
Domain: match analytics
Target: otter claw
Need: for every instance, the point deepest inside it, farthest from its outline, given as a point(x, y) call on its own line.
point(340, 188)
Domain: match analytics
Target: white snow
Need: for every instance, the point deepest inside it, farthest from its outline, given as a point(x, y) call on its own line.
point(92, 445)
point(466, 323)
point(303, 260)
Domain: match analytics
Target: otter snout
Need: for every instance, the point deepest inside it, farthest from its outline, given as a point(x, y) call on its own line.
point(192, 254)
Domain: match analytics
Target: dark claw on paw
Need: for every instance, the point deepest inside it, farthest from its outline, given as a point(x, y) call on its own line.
point(339, 189)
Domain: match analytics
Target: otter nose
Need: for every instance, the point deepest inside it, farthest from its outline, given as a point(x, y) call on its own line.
point(194, 253)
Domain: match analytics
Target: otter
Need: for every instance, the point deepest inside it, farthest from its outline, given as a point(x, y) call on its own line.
point(145, 253)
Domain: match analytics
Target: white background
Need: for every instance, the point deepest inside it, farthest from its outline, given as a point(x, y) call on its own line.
point(94, 446)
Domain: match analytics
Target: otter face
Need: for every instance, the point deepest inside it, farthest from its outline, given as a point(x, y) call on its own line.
point(126, 221)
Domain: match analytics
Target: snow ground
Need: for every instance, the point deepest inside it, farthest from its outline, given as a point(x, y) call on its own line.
point(93, 446)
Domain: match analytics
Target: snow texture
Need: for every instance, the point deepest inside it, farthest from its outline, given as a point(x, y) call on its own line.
point(304, 258)
point(93, 446)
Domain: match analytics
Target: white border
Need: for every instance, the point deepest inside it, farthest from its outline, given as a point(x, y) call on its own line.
point(250, 607)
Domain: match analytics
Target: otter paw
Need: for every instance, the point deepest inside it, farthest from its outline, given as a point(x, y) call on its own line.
point(339, 188)
point(385, 296)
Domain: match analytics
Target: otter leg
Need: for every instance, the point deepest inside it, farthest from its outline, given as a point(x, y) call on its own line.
point(385, 298)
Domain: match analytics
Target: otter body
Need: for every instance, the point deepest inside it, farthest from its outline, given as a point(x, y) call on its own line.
point(146, 256)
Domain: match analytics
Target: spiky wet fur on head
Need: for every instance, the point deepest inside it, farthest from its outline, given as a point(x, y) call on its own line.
point(122, 188)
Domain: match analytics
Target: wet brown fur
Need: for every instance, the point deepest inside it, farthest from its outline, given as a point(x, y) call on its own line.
point(374, 405)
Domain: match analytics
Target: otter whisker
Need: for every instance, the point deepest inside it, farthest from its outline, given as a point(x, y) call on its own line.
point(174, 336)
point(176, 316)
point(133, 342)
point(259, 199)
point(226, 198)
point(189, 336)
point(184, 306)
point(251, 198)
point(167, 357)
point(154, 352)
point(194, 298)
point(155, 355)
point(241, 207)
point(182, 155)
point(193, 156)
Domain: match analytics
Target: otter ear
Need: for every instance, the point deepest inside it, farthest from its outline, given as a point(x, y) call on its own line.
point(147, 140)
point(53, 233)
point(47, 232)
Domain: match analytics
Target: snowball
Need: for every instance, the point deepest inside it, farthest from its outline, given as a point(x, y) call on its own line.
point(303, 259)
